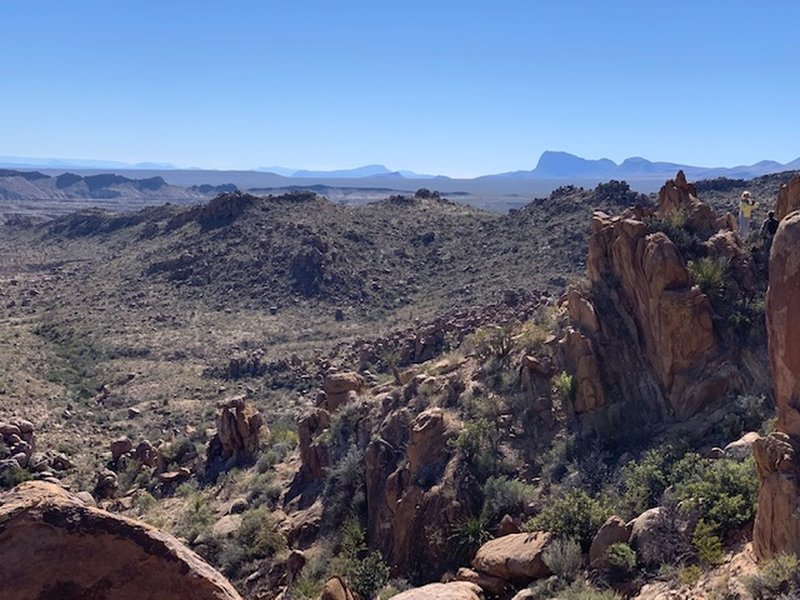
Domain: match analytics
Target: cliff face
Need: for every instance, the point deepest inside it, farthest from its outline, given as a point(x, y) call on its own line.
point(777, 526)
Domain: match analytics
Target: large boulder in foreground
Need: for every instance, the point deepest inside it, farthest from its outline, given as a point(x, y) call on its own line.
point(777, 525)
point(54, 546)
point(516, 558)
point(456, 590)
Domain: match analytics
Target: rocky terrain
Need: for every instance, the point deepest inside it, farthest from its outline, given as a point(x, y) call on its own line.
point(409, 399)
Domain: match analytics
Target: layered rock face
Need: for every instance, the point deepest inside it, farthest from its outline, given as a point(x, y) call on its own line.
point(54, 546)
point(777, 526)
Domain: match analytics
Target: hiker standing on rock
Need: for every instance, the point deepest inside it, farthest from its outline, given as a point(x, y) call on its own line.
point(746, 206)
point(768, 229)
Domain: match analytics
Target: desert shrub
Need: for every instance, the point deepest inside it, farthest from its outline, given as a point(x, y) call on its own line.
point(723, 492)
point(145, 501)
point(491, 341)
point(392, 588)
point(554, 461)
point(776, 578)
point(564, 385)
point(468, 535)
point(474, 442)
point(644, 481)
point(574, 515)
point(196, 517)
point(708, 545)
point(263, 490)
point(563, 557)
point(503, 495)
point(344, 426)
point(689, 575)
point(345, 486)
point(710, 274)
point(674, 227)
point(621, 558)
point(306, 587)
point(368, 575)
point(9, 477)
point(257, 535)
point(554, 587)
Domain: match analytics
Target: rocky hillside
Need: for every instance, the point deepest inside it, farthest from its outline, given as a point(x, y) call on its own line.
point(403, 400)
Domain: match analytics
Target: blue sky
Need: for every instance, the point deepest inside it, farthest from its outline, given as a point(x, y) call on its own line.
point(459, 88)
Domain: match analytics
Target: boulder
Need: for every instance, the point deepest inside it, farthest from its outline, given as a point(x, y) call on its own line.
point(516, 558)
point(336, 589)
point(52, 545)
point(777, 525)
point(743, 447)
point(427, 446)
point(455, 590)
point(582, 361)
point(119, 447)
point(788, 198)
point(491, 585)
point(340, 388)
point(613, 531)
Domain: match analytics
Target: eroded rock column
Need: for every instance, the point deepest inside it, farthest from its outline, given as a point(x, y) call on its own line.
point(777, 526)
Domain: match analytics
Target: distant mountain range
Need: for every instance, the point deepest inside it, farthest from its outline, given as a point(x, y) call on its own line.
point(551, 166)
point(562, 165)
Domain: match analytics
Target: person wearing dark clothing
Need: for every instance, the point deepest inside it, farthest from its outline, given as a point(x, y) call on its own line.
point(768, 229)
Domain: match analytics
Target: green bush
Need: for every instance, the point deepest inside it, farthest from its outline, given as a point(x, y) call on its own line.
point(369, 575)
point(196, 518)
point(474, 442)
point(564, 385)
point(345, 490)
point(573, 515)
point(502, 495)
point(621, 558)
point(708, 545)
point(711, 275)
point(690, 575)
point(644, 481)
point(777, 578)
point(13, 476)
point(257, 536)
point(563, 557)
point(722, 491)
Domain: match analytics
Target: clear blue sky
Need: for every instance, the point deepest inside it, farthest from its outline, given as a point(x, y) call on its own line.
point(460, 88)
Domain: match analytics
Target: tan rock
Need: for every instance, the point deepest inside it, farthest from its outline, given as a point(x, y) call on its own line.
point(53, 545)
point(119, 447)
point(788, 198)
point(491, 585)
point(743, 447)
point(336, 589)
point(613, 531)
point(340, 388)
point(582, 362)
point(237, 438)
point(456, 590)
point(314, 455)
point(679, 196)
point(430, 431)
point(516, 558)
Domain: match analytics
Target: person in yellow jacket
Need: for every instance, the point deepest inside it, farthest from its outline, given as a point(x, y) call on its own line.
point(746, 206)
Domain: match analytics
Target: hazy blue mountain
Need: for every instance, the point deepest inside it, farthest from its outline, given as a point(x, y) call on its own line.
point(76, 163)
point(562, 165)
point(366, 171)
point(277, 170)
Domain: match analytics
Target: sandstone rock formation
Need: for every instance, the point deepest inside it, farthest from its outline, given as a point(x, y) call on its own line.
point(340, 388)
point(517, 558)
point(54, 546)
point(237, 438)
point(456, 590)
point(777, 525)
point(314, 455)
point(788, 198)
point(679, 198)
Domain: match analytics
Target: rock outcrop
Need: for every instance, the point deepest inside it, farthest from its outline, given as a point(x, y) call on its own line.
point(340, 388)
point(777, 525)
point(613, 531)
point(678, 199)
point(54, 546)
point(788, 198)
point(237, 438)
